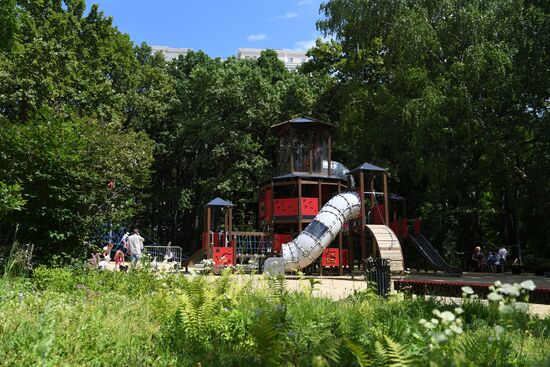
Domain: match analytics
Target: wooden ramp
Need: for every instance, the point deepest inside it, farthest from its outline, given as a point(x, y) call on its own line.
point(388, 245)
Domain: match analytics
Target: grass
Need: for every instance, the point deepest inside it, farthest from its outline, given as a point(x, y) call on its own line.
point(79, 317)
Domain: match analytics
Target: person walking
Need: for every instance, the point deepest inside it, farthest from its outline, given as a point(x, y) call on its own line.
point(478, 258)
point(135, 246)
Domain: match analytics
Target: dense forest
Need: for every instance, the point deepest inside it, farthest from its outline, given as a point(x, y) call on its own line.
point(452, 96)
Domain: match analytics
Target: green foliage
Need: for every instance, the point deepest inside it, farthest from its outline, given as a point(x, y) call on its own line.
point(214, 138)
point(64, 167)
point(391, 353)
point(68, 84)
point(71, 316)
point(448, 96)
point(10, 198)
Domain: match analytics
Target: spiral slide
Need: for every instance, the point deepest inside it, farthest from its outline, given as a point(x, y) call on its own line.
point(324, 228)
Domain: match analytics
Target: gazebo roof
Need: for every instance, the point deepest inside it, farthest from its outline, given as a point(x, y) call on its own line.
point(368, 167)
point(302, 122)
point(220, 203)
point(395, 197)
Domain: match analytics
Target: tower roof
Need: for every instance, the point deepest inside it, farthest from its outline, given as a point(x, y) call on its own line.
point(369, 167)
point(302, 122)
point(219, 202)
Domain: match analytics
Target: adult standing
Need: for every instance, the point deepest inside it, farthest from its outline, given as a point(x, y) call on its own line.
point(124, 240)
point(502, 253)
point(478, 258)
point(135, 245)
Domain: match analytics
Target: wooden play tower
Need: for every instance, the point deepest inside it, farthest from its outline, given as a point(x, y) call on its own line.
point(306, 179)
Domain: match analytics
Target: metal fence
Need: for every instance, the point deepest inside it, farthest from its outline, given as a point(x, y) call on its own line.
point(166, 257)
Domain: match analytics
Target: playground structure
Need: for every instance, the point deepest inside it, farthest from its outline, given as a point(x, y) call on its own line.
point(317, 209)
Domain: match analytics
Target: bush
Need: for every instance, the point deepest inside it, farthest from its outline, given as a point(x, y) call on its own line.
point(67, 316)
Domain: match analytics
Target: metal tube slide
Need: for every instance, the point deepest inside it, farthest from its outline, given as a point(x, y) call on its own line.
point(318, 235)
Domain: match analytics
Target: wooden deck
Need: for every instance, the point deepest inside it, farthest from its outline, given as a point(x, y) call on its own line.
point(434, 284)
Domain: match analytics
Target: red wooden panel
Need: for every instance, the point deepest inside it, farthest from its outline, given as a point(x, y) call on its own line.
point(395, 226)
point(378, 214)
point(416, 227)
point(285, 207)
point(331, 257)
point(289, 207)
point(310, 206)
point(223, 256)
point(279, 239)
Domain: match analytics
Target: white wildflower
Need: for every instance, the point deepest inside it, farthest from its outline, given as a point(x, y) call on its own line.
point(512, 290)
point(498, 330)
point(441, 338)
point(434, 321)
point(494, 296)
point(498, 284)
point(456, 329)
point(467, 290)
point(447, 316)
point(528, 284)
point(521, 306)
point(505, 309)
point(459, 311)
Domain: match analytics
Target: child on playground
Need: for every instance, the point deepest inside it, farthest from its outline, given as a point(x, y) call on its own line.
point(119, 260)
point(107, 251)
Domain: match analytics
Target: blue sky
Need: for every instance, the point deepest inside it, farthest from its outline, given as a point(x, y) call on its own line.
point(217, 27)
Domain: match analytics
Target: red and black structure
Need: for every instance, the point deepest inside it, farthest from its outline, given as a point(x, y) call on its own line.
point(306, 179)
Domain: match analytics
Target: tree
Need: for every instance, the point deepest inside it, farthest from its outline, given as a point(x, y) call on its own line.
point(71, 87)
point(451, 96)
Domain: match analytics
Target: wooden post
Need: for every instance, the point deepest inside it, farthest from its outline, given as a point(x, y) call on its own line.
point(291, 149)
point(319, 205)
point(351, 245)
point(329, 155)
point(230, 235)
point(272, 207)
point(208, 228)
point(310, 159)
point(373, 195)
point(362, 217)
point(373, 203)
point(299, 205)
point(340, 240)
point(386, 207)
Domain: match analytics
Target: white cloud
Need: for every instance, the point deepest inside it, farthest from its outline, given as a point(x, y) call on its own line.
point(304, 2)
point(256, 37)
point(288, 15)
point(304, 45)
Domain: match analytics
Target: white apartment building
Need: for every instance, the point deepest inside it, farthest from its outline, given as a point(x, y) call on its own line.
point(170, 53)
point(291, 58)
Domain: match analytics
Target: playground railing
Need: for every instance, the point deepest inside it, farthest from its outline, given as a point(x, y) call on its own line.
point(166, 256)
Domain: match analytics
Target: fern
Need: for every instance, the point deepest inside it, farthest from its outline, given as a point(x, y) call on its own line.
point(267, 342)
point(392, 354)
point(331, 350)
point(358, 352)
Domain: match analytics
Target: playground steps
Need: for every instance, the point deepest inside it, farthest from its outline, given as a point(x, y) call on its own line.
point(388, 245)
